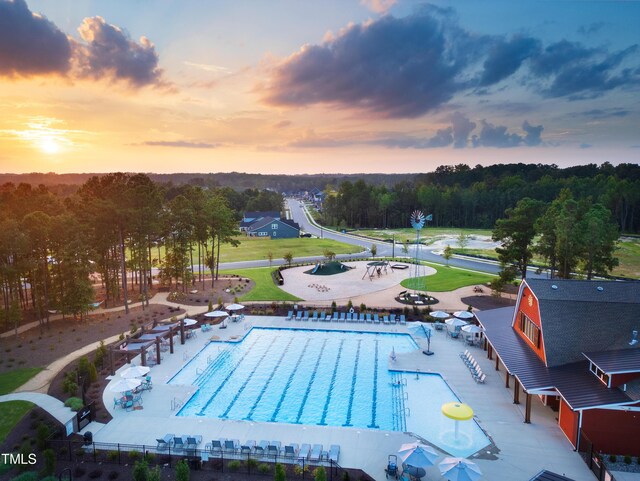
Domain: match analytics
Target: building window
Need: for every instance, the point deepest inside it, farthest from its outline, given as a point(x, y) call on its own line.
point(274, 226)
point(599, 374)
point(530, 330)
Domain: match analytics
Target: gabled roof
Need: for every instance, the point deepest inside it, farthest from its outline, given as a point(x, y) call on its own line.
point(578, 387)
point(260, 223)
point(259, 214)
point(616, 362)
point(290, 222)
point(584, 316)
point(549, 476)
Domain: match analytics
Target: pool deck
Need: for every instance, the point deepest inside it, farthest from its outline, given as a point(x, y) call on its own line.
point(519, 451)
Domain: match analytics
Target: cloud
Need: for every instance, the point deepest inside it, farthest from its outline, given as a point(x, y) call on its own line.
point(498, 136)
point(600, 114)
point(282, 124)
point(30, 44)
point(462, 127)
point(180, 143)
point(378, 6)
point(442, 138)
point(533, 132)
point(109, 52)
point(391, 67)
point(585, 146)
point(590, 29)
point(505, 58)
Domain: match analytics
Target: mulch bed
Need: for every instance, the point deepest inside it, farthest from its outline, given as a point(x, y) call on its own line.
point(487, 302)
point(225, 291)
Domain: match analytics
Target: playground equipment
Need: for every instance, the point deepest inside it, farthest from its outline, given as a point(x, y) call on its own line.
point(375, 269)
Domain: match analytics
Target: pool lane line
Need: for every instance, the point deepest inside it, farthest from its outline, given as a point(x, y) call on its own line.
point(331, 384)
point(353, 385)
point(374, 406)
point(224, 381)
point(248, 379)
point(289, 381)
point(271, 376)
point(311, 380)
point(212, 366)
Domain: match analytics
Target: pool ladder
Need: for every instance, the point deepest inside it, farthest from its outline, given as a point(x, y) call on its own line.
point(176, 404)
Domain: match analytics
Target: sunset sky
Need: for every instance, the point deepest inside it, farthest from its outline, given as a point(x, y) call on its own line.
point(329, 86)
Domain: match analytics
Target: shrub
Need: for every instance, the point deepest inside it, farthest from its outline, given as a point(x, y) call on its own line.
point(279, 475)
point(42, 433)
point(112, 456)
point(49, 462)
point(29, 476)
point(334, 306)
point(345, 476)
point(121, 337)
point(252, 463)
point(210, 306)
point(95, 474)
point(140, 470)
point(74, 403)
point(627, 459)
point(50, 478)
point(25, 451)
point(93, 372)
point(182, 471)
point(363, 307)
point(613, 458)
point(264, 468)
point(113, 475)
point(101, 353)
point(154, 474)
point(234, 465)
point(319, 474)
point(134, 455)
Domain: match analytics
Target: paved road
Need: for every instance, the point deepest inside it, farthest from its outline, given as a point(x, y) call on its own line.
point(297, 210)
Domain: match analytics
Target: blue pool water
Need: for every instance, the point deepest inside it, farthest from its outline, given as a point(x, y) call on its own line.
point(304, 376)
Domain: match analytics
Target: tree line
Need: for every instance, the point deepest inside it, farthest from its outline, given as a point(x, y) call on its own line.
point(118, 226)
point(461, 196)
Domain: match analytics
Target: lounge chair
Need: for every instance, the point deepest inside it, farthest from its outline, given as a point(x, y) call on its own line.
point(361, 318)
point(164, 443)
point(305, 317)
point(231, 446)
point(403, 319)
point(385, 319)
point(348, 317)
point(369, 318)
point(343, 317)
point(376, 319)
point(289, 316)
point(192, 443)
point(480, 379)
point(178, 443)
point(303, 454)
point(336, 316)
point(117, 402)
point(290, 450)
point(316, 453)
point(248, 447)
point(392, 318)
point(327, 318)
point(261, 449)
point(273, 448)
point(314, 317)
point(215, 447)
point(334, 453)
point(299, 316)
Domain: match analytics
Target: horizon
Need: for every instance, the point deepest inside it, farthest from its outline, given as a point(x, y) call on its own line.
point(368, 86)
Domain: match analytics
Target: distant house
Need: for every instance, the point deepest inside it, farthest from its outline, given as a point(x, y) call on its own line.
point(574, 345)
point(274, 228)
point(250, 217)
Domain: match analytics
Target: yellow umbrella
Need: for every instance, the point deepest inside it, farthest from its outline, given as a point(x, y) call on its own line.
point(458, 412)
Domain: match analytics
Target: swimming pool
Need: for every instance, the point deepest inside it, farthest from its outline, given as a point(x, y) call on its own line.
point(309, 376)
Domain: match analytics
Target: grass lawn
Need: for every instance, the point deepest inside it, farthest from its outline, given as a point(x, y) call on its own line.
point(628, 254)
point(265, 289)
point(16, 378)
point(11, 412)
point(446, 279)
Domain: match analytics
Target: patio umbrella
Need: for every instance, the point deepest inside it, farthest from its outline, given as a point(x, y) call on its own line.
point(458, 412)
point(216, 314)
point(472, 329)
point(421, 331)
point(125, 385)
point(190, 322)
point(439, 315)
point(459, 469)
point(464, 314)
point(413, 471)
point(455, 322)
point(135, 371)
point(234, 307)
point(417, 455)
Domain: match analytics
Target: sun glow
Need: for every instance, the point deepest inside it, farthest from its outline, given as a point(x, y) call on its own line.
point(48, 145)
point(42, 135)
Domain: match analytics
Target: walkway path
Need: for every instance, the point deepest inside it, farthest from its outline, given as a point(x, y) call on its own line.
point(50, 404)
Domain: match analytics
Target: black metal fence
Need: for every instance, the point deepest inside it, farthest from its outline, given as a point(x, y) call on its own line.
point(594, 459)
point(77, 451)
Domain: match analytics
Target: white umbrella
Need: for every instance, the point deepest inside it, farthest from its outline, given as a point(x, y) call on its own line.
point(463, 314)
point(459, 469)
point(439, 315)
point(135, 371)
point(472, 329)
point(125, 385)
point(216, 314)
point(234, 307)
point(190, 322)
point(417, 455)
point(455, 322)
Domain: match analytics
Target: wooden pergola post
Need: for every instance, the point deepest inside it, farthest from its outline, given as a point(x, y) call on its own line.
point(506, 380)
point(489, 351)
point(171, 340)
point(158, 350)
point(182, 338)
point(111, 365)
point(497, 362)
point(143, 356)
point(516, 391)
point(527, 410)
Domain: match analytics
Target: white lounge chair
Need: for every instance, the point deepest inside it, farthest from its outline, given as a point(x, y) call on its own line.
point(303, 454)
point(334, 453)
point(316, 452)
point(164, 443)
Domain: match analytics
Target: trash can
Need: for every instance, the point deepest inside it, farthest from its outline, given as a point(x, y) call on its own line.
point(88, 438)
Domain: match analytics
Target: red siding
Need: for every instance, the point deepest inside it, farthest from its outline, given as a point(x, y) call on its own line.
point(568, 421)
point(620, 379)
point(529, 306)
point(613, 431)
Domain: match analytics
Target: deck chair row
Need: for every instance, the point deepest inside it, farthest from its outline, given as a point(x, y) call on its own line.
point(474, 367)
point(338, 316)
point(305, 452)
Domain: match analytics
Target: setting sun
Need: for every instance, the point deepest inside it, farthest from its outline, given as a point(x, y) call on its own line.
point(49, 145)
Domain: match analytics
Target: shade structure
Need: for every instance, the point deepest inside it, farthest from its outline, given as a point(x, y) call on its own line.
point(472, 329)
point(190, 322)
point(413, 471)
point(439, 315)
point(216, 314)
point(123, 385)
point(457, 411)
point(421, 331)
point(464, 315)
point(135, 371)
point(417, 455)
point(459, 469)
point(234, 307)
point(455, 322)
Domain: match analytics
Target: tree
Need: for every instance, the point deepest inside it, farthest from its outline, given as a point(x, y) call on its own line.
point(598, 235)
point(288, 257)
point(374, 250)
point(447, 253)
point(405, 247)
point(463, 240)
point(329, 255)
point(279, 474)
point(516, 233)
point(270, 257)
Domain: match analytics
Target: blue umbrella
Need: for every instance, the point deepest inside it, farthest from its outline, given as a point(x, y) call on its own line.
point(421, 331)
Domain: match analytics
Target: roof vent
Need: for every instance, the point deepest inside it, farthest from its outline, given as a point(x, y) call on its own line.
point(553, 286)
point(634, 338)
point(600, 288)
